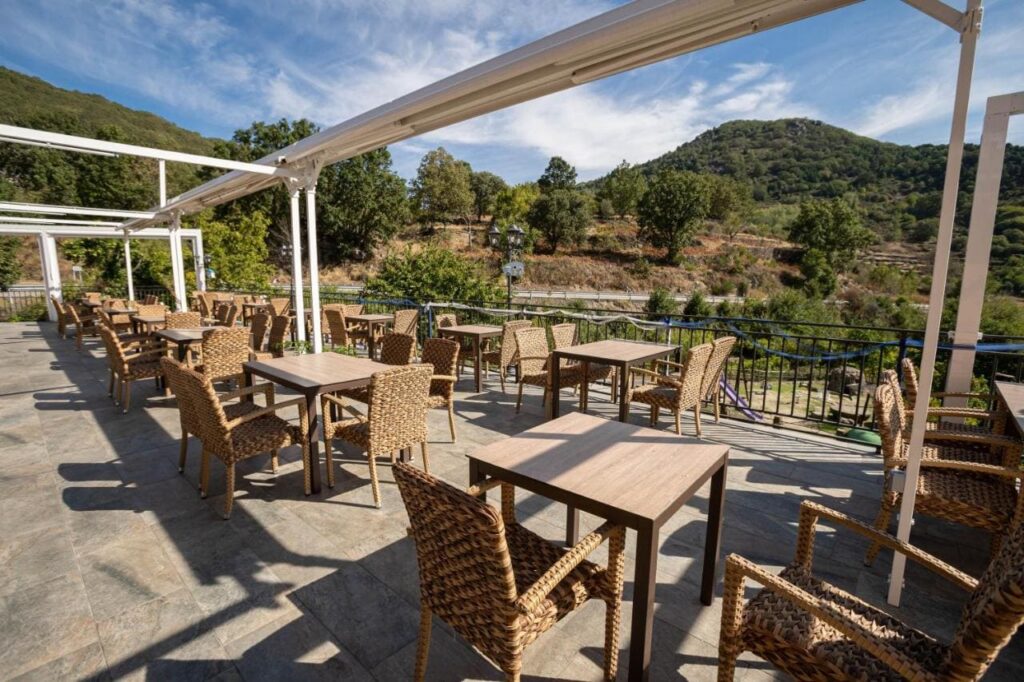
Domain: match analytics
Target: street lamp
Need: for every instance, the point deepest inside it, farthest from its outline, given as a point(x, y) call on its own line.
point(512, 245)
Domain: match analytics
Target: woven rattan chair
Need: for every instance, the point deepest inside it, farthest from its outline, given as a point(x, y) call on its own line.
point(228, 315)
point(815, 631)
point(280, 306)
point(280, 328)
point(982, 419)
point(563, 336)
point(711, 385)
point(224, 351)
point(406, 322)
point(258, 325)
point(534, 369)
point(958, 484)
point(83, 324)
point(395, 349)
point(151, 299)
point(128, 367)
point(675, 393)
point(446, 320)
point(497, 584)
point(443, 356)
point(129, 340)
point(396, 419)
point(92, 297)
point(186, 320)
point(505, 355)
point(337, 328)
point(58, 309)
point(232, 439)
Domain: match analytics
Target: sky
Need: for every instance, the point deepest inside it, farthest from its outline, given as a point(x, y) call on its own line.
point(879, 68)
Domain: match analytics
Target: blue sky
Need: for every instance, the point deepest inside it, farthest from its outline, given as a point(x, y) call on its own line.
point(879, 68)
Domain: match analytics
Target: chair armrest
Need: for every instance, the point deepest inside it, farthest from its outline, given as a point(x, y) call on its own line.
point(810, 512)
point(528, 600)
point(660, 378)
point(737, 569)
point(969, 412)
point(987, 397)
point(267, 389)
point(157, 350)
point(677, 365)
point(996, 439)
point(483, 486)
point(274, 407)
point(443, 377)
point(974, 468)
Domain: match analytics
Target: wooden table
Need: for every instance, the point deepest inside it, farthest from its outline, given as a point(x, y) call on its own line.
point(478, 333)
point(250, 309)
point(631, 475)
point(146, 322)
point(312, 376)
point(615, 352)
point(1012, 395)
point(183, 338)
point(371, 321)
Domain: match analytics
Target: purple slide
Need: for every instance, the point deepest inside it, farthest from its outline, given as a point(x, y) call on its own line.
point(732, 395)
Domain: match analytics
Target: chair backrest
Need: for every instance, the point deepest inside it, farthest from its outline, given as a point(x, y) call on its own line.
point(464, 563)
point(205, 304)
point(691, 376)
point(336, 326)
point(71, 313)
point(279, 329)
point(231, 316)
point(201, 411)
point(992, 614)
point(721, 349)
point(396, 349)
point(115, 304)
point(104, 319)
point(92, 296)
point(280, 306)
point(152, 310)
point(889, 419)
point(532, 349)
point(151, 299)
point(890, 377)
point(352, 309)
point(258, 330)
point(405, 321)
point(187, 320)
point(224, 351)
point(509, 350)
point(563, 335)
point(115, 351)
point(910, 380)
point(442, 355)
point(398, 407)
point(446, 320)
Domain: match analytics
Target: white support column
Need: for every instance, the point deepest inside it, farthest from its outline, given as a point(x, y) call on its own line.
point(299, 305)
point(979, 240)
point(177, 265)
point(200, 257)
point(968, 42)
point(128, 267)
point(314, 267)
point(51, 272)
point(162, 169)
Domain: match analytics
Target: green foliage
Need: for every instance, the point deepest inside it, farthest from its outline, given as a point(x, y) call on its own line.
point(624, 187)
point(831, 229)
point(441, 190)
point(661, 302)
point(485, 187)
point(561, 216)
point(697, 305)
point(512, 204)
point(237, 247)
point(730, 198)
point(10, 264)
point(36, 312)
point(1002, 316)
point(641, 268)
point(432, 275)
point(672, 209)
point(792, 306)
point(103, 261)
point(819, 276)
point(558, 175)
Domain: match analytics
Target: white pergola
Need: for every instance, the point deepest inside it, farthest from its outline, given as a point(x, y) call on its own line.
point(625, 38)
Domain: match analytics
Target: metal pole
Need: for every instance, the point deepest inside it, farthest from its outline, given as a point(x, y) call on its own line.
point(314, 267)
point(968, 42)
point(177, 264)
point(128, 267)
point(299, 304)
point(51, 272)
point(162, 169)
point(200, 256)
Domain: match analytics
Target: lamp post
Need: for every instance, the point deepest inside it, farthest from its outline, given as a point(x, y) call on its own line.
point(511, 242)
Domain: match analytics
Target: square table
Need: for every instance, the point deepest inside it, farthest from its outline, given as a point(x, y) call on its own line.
point(1012, 396)
point(250, 309)
point(183, 338)
point(477, 333)
point(311, 376)
point(618, 353)
point(371, 321)
point(630, 475)
point(146, 322)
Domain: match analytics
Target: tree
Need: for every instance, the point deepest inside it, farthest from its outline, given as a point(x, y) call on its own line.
point(819, 275)
point(441, 190)
point(362, 206)
point(661, 302)
point(432, 274)
point(729, 198)
point(831, 228)
point(485, 187)
point(237, 247)
point(10, 265)
point(558, 175)
point(624, 188)
point(697, 305)
point(672, 209)
point(512, 204)
point(561, 215)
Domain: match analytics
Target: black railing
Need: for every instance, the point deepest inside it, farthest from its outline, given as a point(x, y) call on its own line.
point(28, 303)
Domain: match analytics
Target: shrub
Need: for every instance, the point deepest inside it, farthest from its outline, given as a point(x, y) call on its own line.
point(661, 302)
point(697, 305)
point(432, 275)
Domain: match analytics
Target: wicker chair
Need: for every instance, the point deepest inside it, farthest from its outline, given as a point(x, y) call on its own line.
point(128, 367)
point(187, 320)
point(446, 320)
point(280, 328)
point(151, 299)
point(505, 355)
point(280, 306)
point(815, 631)
point(337, 328)
point(534, 369)
point(563, 336)
point(497, 584)
point(673, 393)
point(396, 419)
point(406, 322)
point(58, 309)
point(992, 420)
point(128, 340)
point(395, 349)
point(224, 350)
point(232, 439)
point(258, 325)
point(83, 324)
point(957, 484)
point(92, 297)
point(227, 315)
point(711, 386)
point(443, 355)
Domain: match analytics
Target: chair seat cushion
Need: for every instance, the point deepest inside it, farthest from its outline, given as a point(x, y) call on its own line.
point(946, 451)
point(779, 631)
point(362, 394)
point(144, 369)
point(356, 431)
point(437, 400)
point(655, 394)
point(567, 376)
point(978, 501)
point(268, 432)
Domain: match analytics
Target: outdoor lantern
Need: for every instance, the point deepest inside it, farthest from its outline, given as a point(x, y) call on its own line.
point(286, 251)
point(207, 259)
point(515, 236)
point(494, 237)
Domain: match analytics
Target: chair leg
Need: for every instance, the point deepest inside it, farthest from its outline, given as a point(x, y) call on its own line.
point(696, 417)
point(423, 643)
point(718, 406)
point(274, 461)
point(229, 493)
point(329, 459)
point(679, 425)
point(127, 396)
point(110, 385)
point(728, 640)
point(204, 474)
point(519, 400)
point(613, 607)
point(426, 459)
point(451, 417)
point(374, 483)
point(501, 376)
point(882, 524)
point(183, 451)
point(654, 415)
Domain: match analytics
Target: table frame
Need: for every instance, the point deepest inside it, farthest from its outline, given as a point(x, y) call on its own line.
point(465, 331)
point(372, 321)
point(183, 343)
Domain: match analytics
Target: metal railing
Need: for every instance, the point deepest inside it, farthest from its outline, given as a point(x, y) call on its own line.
point(29, 302)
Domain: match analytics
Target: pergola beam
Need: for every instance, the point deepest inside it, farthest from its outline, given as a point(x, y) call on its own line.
point(50, 209)
point(940, 11)
point(22, 220)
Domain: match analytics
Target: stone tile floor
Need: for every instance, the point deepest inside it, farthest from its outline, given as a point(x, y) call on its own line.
point(111, 566)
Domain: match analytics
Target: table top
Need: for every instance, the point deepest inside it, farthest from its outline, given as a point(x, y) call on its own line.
point(255, 305)
point(370, 317)
point(470, 330)
point(120, 311)
point(617, 471)
point(184, 335)
point(1012, 395)
point(317, 373)
point(148, 319)
point(92, 304)
point(616, 350)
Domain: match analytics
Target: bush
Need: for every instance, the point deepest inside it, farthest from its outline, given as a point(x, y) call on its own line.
point(641, 268)
point(432, 275)
point(37, 312)
point(697, 306)
point(561, 215)
point(661, 302)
